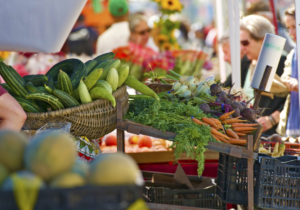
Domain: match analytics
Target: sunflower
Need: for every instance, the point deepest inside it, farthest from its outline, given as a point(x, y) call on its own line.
point(166, 46)
point(171, 5)
point(162, 38)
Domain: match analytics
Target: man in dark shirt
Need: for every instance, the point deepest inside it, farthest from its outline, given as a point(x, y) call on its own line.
point(82, 39)
point(12, 115)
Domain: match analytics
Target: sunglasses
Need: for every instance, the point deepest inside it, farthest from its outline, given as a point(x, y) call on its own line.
point(245, 42)
point(143, 32)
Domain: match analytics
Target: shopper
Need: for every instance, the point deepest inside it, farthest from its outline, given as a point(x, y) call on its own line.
point(118, 34)
point(245, 62)
point(253, 29)
point(82, 39)
point(263, 8)
point(139, 29)
point(289, 118)
point(12, 115)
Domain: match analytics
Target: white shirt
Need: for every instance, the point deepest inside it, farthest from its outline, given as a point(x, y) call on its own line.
point(116, 36)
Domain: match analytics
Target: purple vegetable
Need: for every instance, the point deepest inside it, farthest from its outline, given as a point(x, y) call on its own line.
point(237, 113)
point(250, 114)
point(215, 89)
point(206, 109)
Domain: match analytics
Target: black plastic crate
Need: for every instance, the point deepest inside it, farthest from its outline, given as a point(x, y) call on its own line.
point(278, 184)
point(83, 198)
point(232, 181)
point(232, 184)
point(202, 198)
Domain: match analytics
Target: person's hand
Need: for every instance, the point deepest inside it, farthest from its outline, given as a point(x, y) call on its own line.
point(292, 84)
point(265, 122)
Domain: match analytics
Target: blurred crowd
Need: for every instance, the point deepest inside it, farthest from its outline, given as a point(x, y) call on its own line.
point(282, 107)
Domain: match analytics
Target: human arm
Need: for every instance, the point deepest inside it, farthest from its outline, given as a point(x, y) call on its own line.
point(269, 121)
point(12, 114)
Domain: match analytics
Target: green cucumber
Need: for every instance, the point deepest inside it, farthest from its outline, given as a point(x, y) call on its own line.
point(7, 88)
point(9, 76)
point(17, 76)
point(48, 89)
point(89, 81)
point(102, 93)
point(84, 94)
point(42, 89)
point(104, 84)
point(53, 101)
point(64, 83)
point(107, 68)
point(105, 56)
point(36, 80)
point(75, 68)
point(50, 82)
point(27, 105)
point(90, 65)
point(140, 87)
point(65, 98)
point(102, 64)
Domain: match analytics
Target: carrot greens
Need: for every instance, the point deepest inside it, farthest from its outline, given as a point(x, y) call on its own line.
point(174, 117)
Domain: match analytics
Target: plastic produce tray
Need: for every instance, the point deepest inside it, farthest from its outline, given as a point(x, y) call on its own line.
point(232, 180)
point(290, 148)
point(87, 198)
point(202, 198)
point(278, 184)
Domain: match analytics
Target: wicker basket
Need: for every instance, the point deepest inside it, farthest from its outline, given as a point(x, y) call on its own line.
point(92, 120)
point(158, 88)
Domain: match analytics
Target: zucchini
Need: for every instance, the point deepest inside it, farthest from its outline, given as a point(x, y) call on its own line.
point(104, 57)
point(27, 105)
point(102, 64)
point(36, 80)
point(84, 94)
point(99, 92)
point(53, 101)
point(73, 67)
point(90, 65)
point(140, 87)
point(10, 79)
point(89, 81)
point(65, 98)
point(107, 68)
point(64, 83)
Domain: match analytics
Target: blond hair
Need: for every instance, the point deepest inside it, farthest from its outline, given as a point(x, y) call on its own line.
point(257, 26)
point(135, 19)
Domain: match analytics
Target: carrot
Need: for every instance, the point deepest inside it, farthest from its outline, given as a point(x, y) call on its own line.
point(238, 142)
point(243, 125)
point(240, 134)
point(199, 122)
point(222, 139)
point(215, 132)
point(226, 115)
point(210, 122)
point(241, 129)
point(232, 134)
point(233, 120)
point(216, 138)
point(218, 123)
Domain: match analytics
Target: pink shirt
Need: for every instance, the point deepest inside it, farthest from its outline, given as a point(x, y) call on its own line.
point(2, 91)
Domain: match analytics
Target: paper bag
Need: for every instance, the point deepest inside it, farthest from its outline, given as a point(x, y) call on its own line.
point(37, 26)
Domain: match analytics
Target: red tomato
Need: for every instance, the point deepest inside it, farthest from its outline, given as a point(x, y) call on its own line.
point(145, 141)
point(133, 139)
point(110, 140)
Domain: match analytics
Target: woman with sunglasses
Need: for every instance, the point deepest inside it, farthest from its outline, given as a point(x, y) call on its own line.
point(289, 118)
point(139, 29)
point(252, 32)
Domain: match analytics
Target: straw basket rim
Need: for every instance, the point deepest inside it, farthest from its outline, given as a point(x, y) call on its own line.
point(67, 111)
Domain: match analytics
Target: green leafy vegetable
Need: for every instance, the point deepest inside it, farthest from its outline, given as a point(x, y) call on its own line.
point(174, 117)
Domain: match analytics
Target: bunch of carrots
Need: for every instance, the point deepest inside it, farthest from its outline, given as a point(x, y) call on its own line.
point(234, 129)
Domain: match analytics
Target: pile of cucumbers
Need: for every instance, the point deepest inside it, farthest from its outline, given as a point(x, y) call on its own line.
point(70, 83)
